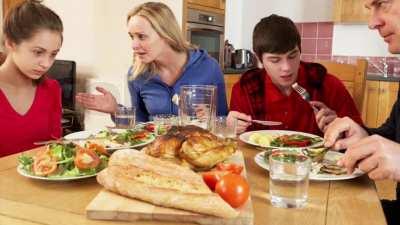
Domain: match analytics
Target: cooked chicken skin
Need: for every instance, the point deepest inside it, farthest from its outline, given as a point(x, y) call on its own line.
point(192, 146)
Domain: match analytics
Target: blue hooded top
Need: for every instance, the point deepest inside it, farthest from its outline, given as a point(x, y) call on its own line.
point(151, 96)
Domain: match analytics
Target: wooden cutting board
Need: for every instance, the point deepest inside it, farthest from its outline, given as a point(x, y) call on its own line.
point(110, 206)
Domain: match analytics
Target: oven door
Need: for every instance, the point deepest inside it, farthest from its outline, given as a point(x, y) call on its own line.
point(208, 37)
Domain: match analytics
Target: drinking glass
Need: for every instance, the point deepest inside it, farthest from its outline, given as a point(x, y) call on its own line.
point(163, 122)
point(224, 129)
point(288, 183)
point(197, 105)
point(125, 117)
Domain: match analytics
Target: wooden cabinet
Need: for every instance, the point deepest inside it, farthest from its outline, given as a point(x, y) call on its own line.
point(230, 80)
point(350, 11)
point(216, 6)
point(219, 4)
point(380, 97)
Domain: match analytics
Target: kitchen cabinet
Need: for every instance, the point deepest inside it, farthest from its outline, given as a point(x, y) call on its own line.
point(380, 97)
point(350, 11)
point(230, 80)
point(217, 6)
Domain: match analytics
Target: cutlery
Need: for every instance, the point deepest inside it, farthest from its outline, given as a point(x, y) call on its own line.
point(264, 122)
point(303, 93)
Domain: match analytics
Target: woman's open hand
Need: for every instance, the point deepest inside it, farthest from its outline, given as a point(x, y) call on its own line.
point(105, 102)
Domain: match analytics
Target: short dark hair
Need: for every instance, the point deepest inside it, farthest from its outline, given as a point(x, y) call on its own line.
point(275, 34)
point(23, 20)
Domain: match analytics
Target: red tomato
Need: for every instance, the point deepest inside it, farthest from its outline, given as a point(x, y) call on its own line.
point(231, 167)
point(86, 158)
point(44, 165)
point(139, 135)
point(234, 189)
point(295, 143)
point(212, 177)
point(150, 127)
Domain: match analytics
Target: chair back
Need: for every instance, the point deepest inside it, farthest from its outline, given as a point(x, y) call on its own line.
point(353, 78)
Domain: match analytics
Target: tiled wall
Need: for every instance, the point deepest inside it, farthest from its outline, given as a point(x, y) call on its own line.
point(316, 40)
point(316, 44)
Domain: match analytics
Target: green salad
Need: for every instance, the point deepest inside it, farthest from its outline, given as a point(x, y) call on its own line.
point(64, 160)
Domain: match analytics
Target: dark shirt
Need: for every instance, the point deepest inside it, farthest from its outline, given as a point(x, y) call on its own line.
point(391, 129)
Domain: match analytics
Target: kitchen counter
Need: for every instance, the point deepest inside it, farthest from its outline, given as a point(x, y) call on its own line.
point(228, 71)
point(382, 78)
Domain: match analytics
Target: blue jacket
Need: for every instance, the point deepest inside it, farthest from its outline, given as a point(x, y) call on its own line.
point(151, 96)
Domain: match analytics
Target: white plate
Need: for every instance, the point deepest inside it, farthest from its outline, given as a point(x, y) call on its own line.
point(87, 133)
point(245, 137)
point(330, 155)
point(26, 174)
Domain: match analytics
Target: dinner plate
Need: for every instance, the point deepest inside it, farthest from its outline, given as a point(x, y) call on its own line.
point(245, 137)
point(330, 155)
point(22, 172)
point(87, 133)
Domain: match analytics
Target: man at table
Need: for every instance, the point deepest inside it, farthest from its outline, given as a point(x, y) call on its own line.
point(267, 93)
point(378, 154)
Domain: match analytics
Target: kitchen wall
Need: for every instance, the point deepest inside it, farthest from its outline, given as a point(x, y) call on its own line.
point(351, 40)
point(95, 36)
point(243, 15)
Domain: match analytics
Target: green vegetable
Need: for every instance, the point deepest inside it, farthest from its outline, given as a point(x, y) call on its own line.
point(26, 162)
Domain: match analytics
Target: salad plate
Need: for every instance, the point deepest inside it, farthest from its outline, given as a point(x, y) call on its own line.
point(62, 162)
point(282, 139)
point(315, 173)
point(113, 139)
point(25, 173)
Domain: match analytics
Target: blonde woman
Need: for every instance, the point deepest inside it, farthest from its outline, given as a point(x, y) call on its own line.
point(163, 62)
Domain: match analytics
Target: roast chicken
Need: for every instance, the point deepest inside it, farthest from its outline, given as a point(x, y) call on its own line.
point(191, 146)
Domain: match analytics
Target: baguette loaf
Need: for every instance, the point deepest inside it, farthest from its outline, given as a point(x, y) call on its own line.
point(137, 175)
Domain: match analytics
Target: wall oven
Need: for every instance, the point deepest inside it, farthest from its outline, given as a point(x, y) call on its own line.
point(206, 30)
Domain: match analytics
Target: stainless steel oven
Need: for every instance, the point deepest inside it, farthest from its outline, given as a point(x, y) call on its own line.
point(206, 30)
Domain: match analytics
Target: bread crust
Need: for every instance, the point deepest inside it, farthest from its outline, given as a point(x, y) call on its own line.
point(137, 175)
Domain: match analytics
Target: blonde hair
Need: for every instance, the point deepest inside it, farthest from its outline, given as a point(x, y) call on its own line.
point(164, 23)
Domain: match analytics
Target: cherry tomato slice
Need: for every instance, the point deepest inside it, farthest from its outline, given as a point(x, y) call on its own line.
point(98, 148)
point(86, 158)
point(44, 165)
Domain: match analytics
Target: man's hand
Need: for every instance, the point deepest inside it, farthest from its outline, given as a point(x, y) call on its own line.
point(324, 116)
point(243, 121)
point(375, 155)
point(342, 133)
point(105, 102)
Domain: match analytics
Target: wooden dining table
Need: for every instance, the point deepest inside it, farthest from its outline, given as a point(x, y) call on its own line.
point(25, 201)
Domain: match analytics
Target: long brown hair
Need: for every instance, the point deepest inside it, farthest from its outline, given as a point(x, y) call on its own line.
point(164, 23)
point(25, 19)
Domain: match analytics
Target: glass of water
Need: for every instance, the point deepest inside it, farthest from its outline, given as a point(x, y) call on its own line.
point(289, 178)
point(125, 117)
point(223, 129)
point(197, 105)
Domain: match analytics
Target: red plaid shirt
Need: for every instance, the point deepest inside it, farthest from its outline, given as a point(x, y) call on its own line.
point(255, 94)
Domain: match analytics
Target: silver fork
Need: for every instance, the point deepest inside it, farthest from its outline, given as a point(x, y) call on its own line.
point(303, 93)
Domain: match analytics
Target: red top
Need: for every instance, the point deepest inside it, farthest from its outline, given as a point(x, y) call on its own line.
point(41, 122)
point(295, 113)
